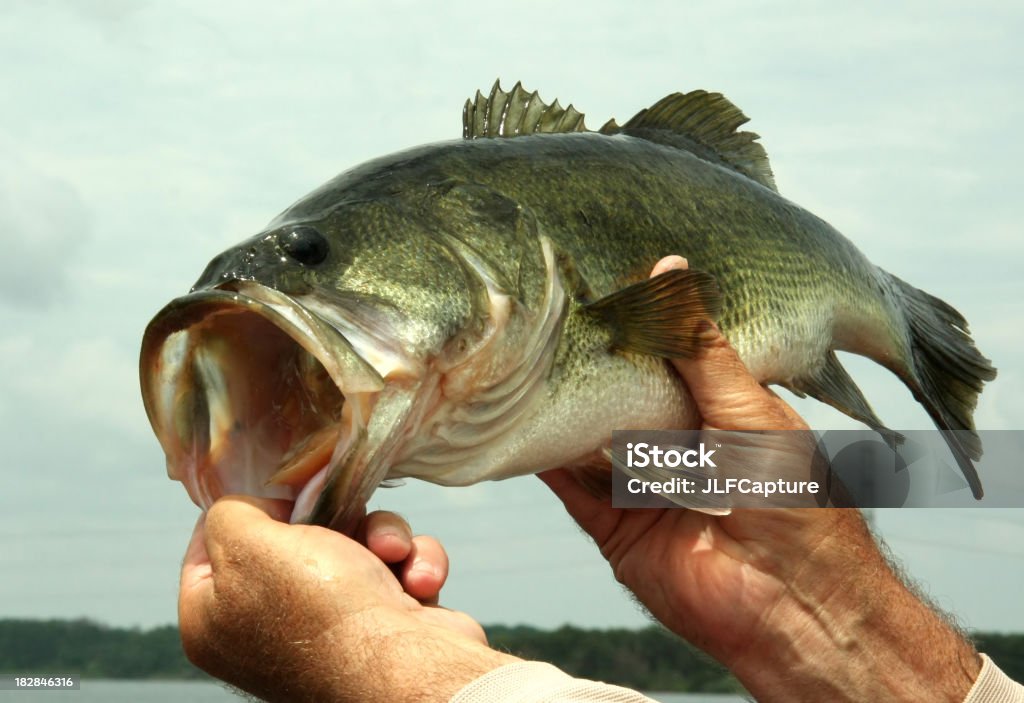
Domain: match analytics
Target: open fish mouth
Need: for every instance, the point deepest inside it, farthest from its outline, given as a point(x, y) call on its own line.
point(251, 393)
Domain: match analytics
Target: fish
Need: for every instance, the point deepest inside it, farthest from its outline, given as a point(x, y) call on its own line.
point(480, 308)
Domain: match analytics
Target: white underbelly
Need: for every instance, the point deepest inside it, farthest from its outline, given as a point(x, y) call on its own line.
point(568, 423)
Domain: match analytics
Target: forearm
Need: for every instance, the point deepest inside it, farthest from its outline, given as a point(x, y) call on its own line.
point(424, 667)
point(856, 633)
point(393, 661)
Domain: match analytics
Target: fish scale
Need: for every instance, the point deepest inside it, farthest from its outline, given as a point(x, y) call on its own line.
point(484, 310)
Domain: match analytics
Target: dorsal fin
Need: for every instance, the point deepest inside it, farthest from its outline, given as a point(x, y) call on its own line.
point(700, 122)
point(515, 114)
point(706, 124)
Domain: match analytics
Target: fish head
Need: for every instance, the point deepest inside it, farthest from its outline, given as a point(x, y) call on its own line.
point(292, 367)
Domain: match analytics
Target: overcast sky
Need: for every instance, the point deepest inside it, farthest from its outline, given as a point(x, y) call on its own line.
point(138, 139)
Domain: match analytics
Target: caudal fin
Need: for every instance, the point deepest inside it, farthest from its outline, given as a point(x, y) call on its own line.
point(945, 372)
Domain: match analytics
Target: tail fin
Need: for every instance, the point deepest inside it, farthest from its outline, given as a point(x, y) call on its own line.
point(945, 372)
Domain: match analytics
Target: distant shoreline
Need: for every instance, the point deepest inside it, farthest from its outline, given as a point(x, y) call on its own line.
point(649, 659)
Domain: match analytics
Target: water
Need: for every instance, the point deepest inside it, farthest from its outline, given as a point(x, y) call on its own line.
point(204, 692)
point(98, 691)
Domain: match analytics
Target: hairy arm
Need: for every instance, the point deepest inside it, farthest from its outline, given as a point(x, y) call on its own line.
point(799, 604)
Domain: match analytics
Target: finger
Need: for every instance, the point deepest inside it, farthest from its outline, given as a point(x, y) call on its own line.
point(725, 392)
point(195, 568)
point(251, 508)
point(195, 595)
point(388, 536)
point(426, 570)
point(727, 395)
point(793, 415)
point(669, 263)
point(275, 509)
point(716, 372)
point(236, 524)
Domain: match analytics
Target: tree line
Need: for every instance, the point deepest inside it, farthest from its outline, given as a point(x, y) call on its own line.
point(648, 659)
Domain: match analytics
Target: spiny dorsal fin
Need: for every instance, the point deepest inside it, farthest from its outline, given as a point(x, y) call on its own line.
point(706, 124)
point(515, 114)
point(700, 122)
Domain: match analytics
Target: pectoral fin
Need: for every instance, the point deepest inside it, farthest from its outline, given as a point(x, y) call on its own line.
point(595, 475)
point(662, 316)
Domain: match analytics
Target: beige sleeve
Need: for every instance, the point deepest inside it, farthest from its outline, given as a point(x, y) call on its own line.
point(993, 686)
point(536, 682)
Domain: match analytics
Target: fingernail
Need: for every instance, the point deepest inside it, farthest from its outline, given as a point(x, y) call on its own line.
point(387, 531)
point(422, 566)
point(669, 263)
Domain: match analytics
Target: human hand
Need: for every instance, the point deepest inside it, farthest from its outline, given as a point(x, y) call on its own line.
point(299, 612)
point(787, 599)
point(419, 563)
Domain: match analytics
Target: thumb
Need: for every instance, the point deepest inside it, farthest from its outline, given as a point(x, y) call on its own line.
point(727, 395)
point(196, 593)
point(196, 568)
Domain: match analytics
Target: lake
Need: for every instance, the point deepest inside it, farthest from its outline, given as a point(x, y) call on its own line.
point(204, 692)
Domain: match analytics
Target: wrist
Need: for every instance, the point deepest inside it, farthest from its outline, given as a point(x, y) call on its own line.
point(843, 634)
point(402, 660)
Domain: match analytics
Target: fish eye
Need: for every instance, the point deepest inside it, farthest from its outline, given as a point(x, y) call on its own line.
point(304, 244)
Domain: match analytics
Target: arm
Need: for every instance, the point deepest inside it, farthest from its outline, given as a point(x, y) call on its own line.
point(799, 604)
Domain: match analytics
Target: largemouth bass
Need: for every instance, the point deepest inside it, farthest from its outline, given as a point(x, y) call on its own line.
point(479, 309)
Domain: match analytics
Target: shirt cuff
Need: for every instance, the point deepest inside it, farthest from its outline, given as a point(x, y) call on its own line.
point(537, 682)
point(993, 686)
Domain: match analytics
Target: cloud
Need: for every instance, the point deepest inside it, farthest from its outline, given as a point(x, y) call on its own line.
point(43, 226)
point(89, 381)
point(184, 126)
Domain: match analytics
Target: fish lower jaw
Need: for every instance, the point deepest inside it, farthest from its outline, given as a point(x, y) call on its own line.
point(251, 393)
point(299, 480)
point(309, 495)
